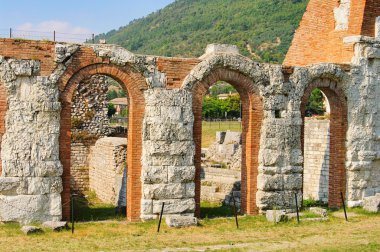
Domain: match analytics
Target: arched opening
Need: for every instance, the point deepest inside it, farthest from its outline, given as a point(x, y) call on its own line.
point(221, 150)
point(98, 168)
point(251, 119)
point(133, 84)
point(324, 114)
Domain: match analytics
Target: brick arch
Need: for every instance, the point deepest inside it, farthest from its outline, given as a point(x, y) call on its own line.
point(338, 128)
point(134, 83)
point(3, 111)
point(252, 111)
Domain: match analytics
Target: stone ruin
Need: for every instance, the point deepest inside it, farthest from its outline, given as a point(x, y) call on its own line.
point(38, 80)
point(221, 169)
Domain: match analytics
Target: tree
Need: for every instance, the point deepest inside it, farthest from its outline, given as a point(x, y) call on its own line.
point(112, 94)
point(111, 110)
point(314, 105)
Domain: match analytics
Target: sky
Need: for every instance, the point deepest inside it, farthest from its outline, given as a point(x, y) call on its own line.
point(72, 16)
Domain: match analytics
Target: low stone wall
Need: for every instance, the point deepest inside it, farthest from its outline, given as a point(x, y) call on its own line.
point(108, 170)
point(79, 171)
point(226, 149)
point(218, 185)
point(316, 164)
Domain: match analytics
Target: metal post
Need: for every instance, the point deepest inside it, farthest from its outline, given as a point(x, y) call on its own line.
point(10, 32)
point(344, 206)
point(298, 214)
point(54, 36)
point(72, 213)
point(162, 212)
point(235, 212)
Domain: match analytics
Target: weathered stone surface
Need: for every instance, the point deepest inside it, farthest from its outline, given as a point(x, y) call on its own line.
point(31, 230)
point(372, 203)
point(180, 174)
point(175, 206)
point(181, 221)
point(55, 225)
point(276, 216)
point(317, 210)
point(108, 170)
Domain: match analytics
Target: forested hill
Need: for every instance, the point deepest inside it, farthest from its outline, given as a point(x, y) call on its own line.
point(263, 29)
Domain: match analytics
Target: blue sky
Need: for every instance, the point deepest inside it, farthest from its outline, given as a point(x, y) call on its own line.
point(74, 16)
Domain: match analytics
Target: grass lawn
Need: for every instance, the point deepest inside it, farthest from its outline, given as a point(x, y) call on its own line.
point(210, 128)
point(361, 233)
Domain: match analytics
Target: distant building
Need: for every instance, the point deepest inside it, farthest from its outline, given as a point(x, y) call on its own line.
point(225, 96)
point(120, 104)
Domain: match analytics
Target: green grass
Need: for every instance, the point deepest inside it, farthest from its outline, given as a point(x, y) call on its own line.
point(361, 233)
point(213, 210)
point(209, 130)
point(90, 208)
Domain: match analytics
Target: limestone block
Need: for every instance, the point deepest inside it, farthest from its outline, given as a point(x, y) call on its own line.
point(293, 182)
point(164, 191)
point(168, 160)
point(372, 203)
point(270, 157)
point(9, 185)
point(270, 183)
point(317, 210)
point(181, 174)
point(44, 185)
point(190, 190)
point(29, 208)
point(175, 206)
point(232, 137)
point(155, 175)
point(181, 221)
point(55, 225)
point(31, 230)
point(276, 216)
point(221, 48)
point(146, 206)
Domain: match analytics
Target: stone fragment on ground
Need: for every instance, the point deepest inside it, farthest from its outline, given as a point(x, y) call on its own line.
point(315, 219)
point(31, 230)
point(318, 210)
point(181, 221)
point(276, 216)
point(55, 225)
point(372, 203)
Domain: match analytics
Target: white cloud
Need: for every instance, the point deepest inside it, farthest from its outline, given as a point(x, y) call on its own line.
point(72, 33)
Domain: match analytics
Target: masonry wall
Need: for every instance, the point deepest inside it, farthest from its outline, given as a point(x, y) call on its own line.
point(319, 38)
point(316, 159)
point(108, 170)
point(79, 167)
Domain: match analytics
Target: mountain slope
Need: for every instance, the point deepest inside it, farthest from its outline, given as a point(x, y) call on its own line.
point(263, 29)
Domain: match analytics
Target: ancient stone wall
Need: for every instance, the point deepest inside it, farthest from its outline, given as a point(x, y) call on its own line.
point(30, 183)
point(108, 170)
point(168, 153)
point(90, 108)
point(164, 151)
point(363, 135)
point(316, 159)
point(79, 167)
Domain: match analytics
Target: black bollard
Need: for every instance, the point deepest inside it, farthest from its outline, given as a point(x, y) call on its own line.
point(344, 206)
point(235, 212)
point(298, 214)
point(162, 212)
point(72, 213)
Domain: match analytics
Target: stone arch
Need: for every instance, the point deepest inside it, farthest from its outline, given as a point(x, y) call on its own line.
point(135, 84)
point(331, 88)
point(3, 111)
point(247, 77)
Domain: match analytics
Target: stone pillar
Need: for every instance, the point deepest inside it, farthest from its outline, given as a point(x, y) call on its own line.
point(377, 28)
point(168, 153)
